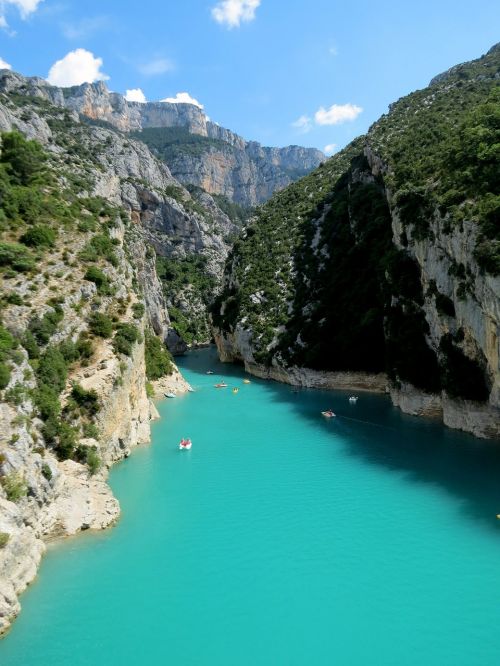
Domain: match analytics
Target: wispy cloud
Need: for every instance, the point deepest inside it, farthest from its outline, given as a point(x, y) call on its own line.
point(303, 124)
point(4, 65)
point(78, 66)
point(156, 66)
point(232, 13)
point(337, 114)
point(24, 7)
point(85, 28)
point(183, 98)
point(135, 95)
point(330, 148)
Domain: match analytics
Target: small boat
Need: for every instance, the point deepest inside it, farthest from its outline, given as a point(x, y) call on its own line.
point(221, 385)
point(235, 390)
point(169, 395)
point(185, 444)
point(246, 381)
point(328, 414)
point(210, 372)
point(190, 389)
point(353, 399)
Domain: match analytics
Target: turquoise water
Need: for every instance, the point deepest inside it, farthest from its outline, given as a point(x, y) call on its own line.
point(280, 539)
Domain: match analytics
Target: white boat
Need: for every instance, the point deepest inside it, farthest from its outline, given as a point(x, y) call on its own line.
point(353, 398)
point(210, 372)
point(169, 395)
point(221, 385)
point(185, 445)
point(328, 414)
point(190, 389)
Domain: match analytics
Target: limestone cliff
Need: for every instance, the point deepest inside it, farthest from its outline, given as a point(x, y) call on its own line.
point(386, 259)
point(81, 304)
point(221, 163)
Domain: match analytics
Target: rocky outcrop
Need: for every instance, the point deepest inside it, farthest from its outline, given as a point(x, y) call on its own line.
point(43, 497)
point(386, 257)
point(243, 171)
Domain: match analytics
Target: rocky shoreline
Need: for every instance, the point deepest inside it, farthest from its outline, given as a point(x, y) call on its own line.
point(480, 420)
point(73, 500)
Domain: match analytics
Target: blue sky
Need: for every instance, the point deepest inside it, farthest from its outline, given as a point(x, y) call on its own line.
point(314, 73)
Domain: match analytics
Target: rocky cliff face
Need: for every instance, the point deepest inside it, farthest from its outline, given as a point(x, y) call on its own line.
point(224, 163)
point(386, 259)
point(80, 303)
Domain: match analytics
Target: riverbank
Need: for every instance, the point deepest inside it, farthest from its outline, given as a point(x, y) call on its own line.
point(63, 498)
point(479, 419)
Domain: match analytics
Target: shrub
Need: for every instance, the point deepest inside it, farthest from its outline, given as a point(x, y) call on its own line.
point(88, 401)
point(46, 471)
point(66, 443)
point(46, 399)
point(158, 358)
point(16, 394)
point(4, 375)
point(30, 344)
point(15, 486)
point(4, 539)
point(90, 430)
point(39, 236)
point(138, 310)
point(100, 280)
point(16, 256)
point(43, 329)
point(93, 461)
point(52, 369)
point(24, 159)
point(101, 325)
point(126, 335)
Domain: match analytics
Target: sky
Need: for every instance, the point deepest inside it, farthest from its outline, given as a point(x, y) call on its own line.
point(314, 73)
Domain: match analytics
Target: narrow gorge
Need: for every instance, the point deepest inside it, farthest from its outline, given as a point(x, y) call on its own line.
point(131, 232)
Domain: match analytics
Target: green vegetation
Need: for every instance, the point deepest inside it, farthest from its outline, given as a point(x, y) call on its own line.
point(100, 280)
point(15, 486)
point(158, 358)
point(39, 236)
point(125, 337)
point(138, 310)
point(236, 212)
point(171, 142)
point(187, 280)
point(4, 539)
point(319, 280)
point(101, 325)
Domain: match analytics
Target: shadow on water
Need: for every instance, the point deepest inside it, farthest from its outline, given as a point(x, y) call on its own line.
point(380, 434)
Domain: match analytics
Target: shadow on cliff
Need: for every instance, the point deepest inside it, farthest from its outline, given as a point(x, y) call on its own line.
point(373, 430)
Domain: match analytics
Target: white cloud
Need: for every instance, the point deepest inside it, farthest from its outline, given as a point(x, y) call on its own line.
point(78, 66)
point(4, 65)
point(232, 12)
point(304, 124)
point(25, 8)
point(157, 66)
point(330, 148)
point(135, 95)
point(337, 114)
point(183, 98)
point(85, 28)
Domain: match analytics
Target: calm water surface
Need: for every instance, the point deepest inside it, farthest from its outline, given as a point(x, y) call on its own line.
point(280, 538)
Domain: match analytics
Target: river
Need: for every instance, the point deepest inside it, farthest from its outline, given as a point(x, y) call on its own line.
point(280, 538)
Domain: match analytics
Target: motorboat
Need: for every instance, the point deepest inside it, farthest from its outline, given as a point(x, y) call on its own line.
point(190, 389)
point(246, 381)
point(210, 372)
point(328, 414)
point(235, 390)
point(169, 395)
point(221, 385)
point(185, 444)
point(353, 399)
